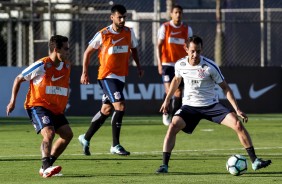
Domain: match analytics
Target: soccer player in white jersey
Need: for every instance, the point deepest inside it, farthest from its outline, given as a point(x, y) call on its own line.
point(200, 101)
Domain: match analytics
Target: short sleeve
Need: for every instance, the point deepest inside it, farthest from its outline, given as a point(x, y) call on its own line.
point(190, 31)
point(161, 32)
point(96, 41)
point(134, 42)
point(34, 70)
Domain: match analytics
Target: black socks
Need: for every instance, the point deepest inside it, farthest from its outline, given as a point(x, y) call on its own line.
point(116, 126)
point(96, 122)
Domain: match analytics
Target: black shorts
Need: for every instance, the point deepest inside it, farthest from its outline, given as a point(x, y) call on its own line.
point(168, 73)
point(192, 115)
point(41, 117)
point(113, 90)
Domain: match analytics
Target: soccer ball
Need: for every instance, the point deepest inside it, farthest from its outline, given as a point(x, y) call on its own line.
point(237, 165)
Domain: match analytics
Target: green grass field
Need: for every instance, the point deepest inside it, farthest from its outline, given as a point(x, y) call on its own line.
point(197, 158)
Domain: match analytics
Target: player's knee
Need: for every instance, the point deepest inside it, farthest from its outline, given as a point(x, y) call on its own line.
point(238, 126)
point(106, 110)
point(48, 132)
point(177, 123)
point(69, 135)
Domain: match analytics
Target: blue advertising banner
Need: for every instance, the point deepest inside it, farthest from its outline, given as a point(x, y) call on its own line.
point(257, 90)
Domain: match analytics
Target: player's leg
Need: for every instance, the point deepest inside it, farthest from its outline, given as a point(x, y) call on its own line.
point(65, 136)
point(97, 121)
point(113, 89)
point(167, 76)
point(175, 126)
point(116, 122)
point(42, 120)
point(233, 122)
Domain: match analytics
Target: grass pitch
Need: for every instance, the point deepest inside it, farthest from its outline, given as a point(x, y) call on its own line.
point(197, 158)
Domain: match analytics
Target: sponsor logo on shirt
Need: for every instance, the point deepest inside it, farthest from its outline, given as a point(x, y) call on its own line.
point(116, 41)
point(175, 33)
point(56, 78)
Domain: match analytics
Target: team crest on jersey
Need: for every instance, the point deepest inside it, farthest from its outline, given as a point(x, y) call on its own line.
point(201, 73)
point(178, 111)
point(166, 78)
point(117, 95)
point(105, 32)
point(48, 65)
point(183, 63)
point(204, 66)
point(104, 97)
point(45, 120)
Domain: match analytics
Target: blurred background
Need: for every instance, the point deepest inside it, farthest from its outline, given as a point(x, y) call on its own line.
point(235, 32)
point(242, 36)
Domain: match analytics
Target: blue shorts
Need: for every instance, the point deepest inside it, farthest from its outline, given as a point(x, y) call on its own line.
point(192, 115)
point(168, 73)
point(113, 90)
point(41, 117)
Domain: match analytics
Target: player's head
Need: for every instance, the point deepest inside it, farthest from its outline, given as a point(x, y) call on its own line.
point(59, 44)
point(193, 47)
point(118, 15)
point(176, 13)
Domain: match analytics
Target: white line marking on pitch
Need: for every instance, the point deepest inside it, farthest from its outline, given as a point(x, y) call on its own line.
point(157, 152)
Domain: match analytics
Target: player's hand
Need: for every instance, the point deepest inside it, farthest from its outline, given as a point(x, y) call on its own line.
point(84, 79)
point(165, 107)
point(10, 108)
point(242, 115)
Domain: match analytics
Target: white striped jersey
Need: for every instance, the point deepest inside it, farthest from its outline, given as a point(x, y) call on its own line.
point(199, 81)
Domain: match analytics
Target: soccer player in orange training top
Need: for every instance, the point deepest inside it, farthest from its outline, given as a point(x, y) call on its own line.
point(46, 101)
point(115, 43)
point(200, 101)
point(171, 40)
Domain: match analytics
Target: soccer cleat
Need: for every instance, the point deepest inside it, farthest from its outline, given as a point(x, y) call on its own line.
point(51, 171)
point(119, 150)
point(163, 169)
point(85, 145)
point(166, 119)
point(259, 163)
point(41, 172)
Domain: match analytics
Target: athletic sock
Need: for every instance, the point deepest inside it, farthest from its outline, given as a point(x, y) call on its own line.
point(176, 104)
point(96, 122)
point(116, 126)
point(166, 157)
point(45, 163)
point(251, 153)
point(52, 159)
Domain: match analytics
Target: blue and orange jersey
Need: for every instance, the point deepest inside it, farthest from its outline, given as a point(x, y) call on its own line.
point(49, 85)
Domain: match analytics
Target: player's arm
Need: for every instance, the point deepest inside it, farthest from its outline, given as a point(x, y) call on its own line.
point(134, 53)
point(159, 55)
point(172, 88)
point(84, 79)
point(16, 87)
point(161, 41)
point(231, 98)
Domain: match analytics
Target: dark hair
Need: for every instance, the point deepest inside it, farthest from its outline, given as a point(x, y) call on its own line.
point(194, 39)
point(118, 8)
point(57, 41)
point(176, 6)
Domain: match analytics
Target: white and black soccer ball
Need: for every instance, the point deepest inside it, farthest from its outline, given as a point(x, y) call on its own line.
point(237, 165)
